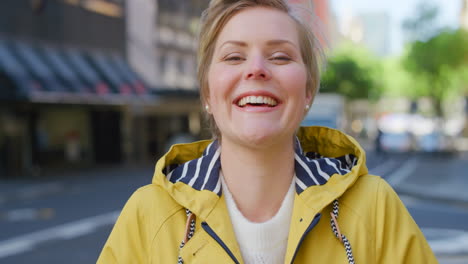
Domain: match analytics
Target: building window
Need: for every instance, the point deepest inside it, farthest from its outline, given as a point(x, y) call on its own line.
point(162, 63)
point(181, 65)
point(113, 8)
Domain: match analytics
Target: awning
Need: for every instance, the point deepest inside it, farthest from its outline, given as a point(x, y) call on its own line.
point(49, 74)
point(15, 81)
point(30, 60)
point(109, 73)
point(130, 76)
point(86, 71)
point(62, 70)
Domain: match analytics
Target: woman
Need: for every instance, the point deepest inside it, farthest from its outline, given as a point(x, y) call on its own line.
point(264, 191)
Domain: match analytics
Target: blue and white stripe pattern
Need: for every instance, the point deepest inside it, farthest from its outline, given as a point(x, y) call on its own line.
point(311, 169)
point(201, 173)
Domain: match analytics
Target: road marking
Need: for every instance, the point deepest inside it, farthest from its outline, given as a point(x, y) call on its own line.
point(403, 172)
point(384, 168)
point(35, 191)
point(447, 241)
point(71, 230)
point(410, 201)
point(27, 214)
point(32, 192)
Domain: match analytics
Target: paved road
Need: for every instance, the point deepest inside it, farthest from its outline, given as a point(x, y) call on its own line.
point(67, 219)
point(433, 187)
point(58, 223)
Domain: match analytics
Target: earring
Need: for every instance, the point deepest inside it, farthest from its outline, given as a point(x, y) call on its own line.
point(307, 107)
point(207, 108)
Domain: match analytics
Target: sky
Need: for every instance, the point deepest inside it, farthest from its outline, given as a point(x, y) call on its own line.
point(398, 10)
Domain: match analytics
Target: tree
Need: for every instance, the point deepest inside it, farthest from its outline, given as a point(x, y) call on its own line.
point(423, 24)
point(352, 73)
point(436, 62)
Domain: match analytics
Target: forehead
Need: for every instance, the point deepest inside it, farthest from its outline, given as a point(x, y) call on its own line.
point(259, 24)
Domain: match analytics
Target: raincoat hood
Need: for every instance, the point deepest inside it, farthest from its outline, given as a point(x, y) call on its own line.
point(327, 163)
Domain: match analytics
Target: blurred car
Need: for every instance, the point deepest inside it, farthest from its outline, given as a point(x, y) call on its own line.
point(396, 142)
point(433, 142)
point(327, 110)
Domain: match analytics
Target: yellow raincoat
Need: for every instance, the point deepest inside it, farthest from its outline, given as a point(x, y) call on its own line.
point(330, 166)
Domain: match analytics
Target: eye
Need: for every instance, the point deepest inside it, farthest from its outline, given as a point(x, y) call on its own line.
point(283, 58)
point(233, 58)
point(280, 57)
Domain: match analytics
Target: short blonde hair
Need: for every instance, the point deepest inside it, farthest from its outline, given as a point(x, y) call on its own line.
point(216, 16)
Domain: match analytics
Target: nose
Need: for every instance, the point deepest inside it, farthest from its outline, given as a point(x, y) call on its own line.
point(257, 69)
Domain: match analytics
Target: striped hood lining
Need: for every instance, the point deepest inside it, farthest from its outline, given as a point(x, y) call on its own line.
point(311, 169)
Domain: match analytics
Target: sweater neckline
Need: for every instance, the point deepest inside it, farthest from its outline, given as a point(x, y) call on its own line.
point(265, 236)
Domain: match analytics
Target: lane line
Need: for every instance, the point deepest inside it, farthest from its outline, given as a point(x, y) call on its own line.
point(447, 241)
point(20, 244)
point(31, 192)
point(403, 172)
point(384, 168)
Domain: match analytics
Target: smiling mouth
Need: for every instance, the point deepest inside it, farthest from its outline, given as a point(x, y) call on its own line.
point(257, 101)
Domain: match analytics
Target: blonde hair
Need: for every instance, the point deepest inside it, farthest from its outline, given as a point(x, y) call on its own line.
point(213, 20)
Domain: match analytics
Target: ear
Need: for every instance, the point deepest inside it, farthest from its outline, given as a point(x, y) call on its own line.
point(206, 105)
point(309, 97)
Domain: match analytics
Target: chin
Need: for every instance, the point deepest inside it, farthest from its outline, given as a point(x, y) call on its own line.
point(261, 137)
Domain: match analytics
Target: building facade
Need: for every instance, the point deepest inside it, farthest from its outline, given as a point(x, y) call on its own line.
point(82, 86)
point(321, 19)
point(371, 30)
point(376, 33)
point(161, 47)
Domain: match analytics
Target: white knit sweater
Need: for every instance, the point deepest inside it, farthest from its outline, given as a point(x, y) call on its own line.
point(261, 242)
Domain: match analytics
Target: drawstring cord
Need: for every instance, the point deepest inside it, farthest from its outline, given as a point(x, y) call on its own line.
point(336, 230)
point(189, 231)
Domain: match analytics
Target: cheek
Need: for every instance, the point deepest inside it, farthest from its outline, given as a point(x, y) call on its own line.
point(220, 81)
point(215, 92)
point(295, 81)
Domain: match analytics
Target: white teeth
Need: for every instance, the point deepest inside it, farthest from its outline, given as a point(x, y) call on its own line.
point(257, 100)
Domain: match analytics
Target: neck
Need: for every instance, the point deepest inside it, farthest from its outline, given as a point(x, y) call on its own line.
point(258, 178)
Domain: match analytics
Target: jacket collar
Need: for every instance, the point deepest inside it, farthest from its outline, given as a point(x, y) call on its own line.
point(311, 169)
point(190, 172)
point(327, 163)
point(202, 173)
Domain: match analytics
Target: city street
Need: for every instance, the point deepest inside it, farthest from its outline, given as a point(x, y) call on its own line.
point(66, 218)
point(94, 91)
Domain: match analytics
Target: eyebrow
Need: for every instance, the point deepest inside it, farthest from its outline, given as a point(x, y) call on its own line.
point(273, 42)
point(235, 43)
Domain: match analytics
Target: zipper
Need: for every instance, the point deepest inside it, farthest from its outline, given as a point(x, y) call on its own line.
point(309, 228)
point(210, 231)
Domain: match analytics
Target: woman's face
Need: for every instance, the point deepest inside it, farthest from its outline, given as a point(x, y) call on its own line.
point(257, 79)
